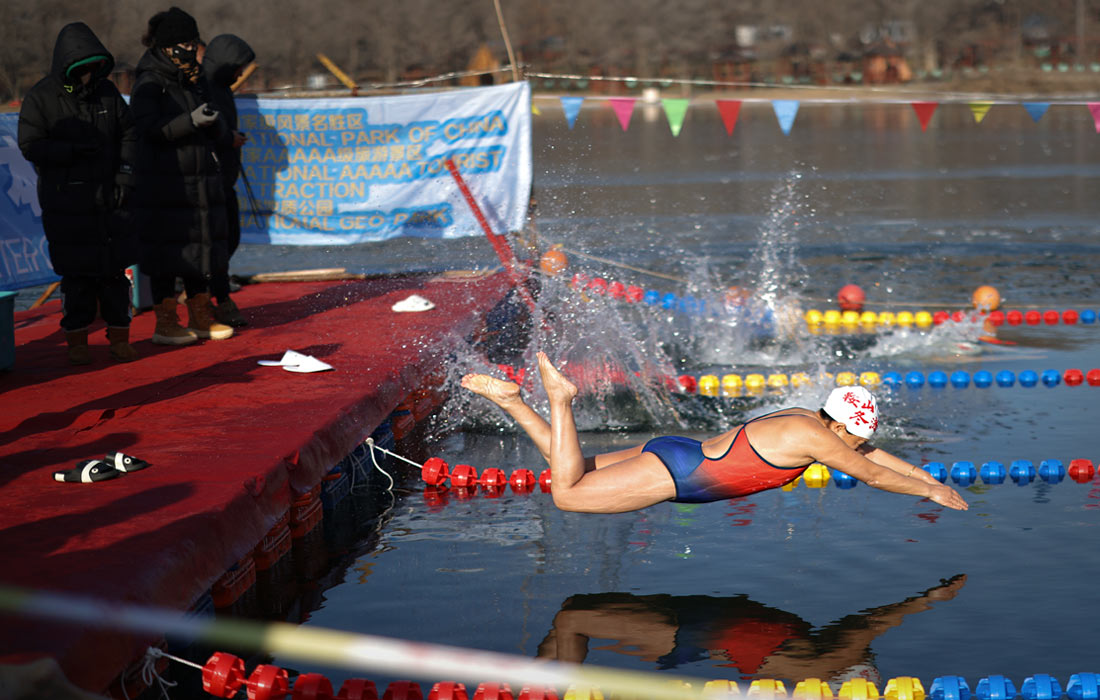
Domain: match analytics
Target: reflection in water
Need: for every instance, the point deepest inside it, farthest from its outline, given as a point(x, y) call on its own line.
point(758, 640)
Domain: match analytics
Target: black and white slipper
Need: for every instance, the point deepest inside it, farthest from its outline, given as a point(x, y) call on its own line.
point(125, 463)
point(87, 472)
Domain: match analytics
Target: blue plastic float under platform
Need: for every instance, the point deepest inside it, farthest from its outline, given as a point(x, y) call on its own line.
point(231, 443)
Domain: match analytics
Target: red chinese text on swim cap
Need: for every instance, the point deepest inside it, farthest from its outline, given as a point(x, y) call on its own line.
point(860, 415)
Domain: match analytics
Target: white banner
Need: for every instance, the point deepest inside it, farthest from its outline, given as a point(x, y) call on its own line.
point(349, 170)
point(24, 259)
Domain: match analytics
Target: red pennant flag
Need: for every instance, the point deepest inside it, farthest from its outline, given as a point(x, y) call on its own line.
point(729, 109)
point(924, 112)
point(1094, 109)
point(624, 107)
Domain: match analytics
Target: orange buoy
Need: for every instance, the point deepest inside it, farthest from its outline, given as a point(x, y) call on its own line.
point(986, 299)
point(553, 261)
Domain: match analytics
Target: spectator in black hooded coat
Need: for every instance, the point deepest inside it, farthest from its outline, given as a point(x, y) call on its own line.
point(77, 131)
point(225, 60)
point(180, 200)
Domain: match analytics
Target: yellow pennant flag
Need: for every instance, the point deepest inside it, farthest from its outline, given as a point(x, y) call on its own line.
point(979, 110)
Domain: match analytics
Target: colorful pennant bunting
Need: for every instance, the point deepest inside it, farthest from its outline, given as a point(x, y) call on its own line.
point(729, 109)
point(785, 112)
point(924, 112)
point(979, 110)
point(675, 109)
point(572, 107)
point(624, 108)
point(1036, 110)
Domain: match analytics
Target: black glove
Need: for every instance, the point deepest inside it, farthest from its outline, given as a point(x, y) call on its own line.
point(122, 195)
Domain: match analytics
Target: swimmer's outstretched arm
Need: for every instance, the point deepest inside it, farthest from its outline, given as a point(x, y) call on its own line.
point(832, 452)
point(883, 458)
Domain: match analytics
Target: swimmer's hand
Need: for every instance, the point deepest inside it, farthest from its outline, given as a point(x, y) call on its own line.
point(947, 496)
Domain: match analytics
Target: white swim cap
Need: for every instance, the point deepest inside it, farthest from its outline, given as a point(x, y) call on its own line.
point(856, 408)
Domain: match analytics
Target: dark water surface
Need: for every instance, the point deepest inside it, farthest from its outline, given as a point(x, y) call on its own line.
point(824, 583)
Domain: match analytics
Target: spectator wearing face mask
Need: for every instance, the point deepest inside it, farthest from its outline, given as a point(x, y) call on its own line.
point(76, 130)
point(180, 200)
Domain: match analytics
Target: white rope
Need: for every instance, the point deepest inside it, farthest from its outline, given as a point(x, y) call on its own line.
point(370, 442)
point(372, 446)
point(149, 674)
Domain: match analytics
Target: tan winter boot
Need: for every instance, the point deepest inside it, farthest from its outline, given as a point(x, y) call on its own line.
point(200, 319)
point(78, 347)
point(168, 330)
point(227, 312)
point(119, 338)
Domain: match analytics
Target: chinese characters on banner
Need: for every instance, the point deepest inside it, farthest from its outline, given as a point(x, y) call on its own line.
point(368, 169)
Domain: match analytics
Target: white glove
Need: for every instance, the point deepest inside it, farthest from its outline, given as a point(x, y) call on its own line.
point(203, 116)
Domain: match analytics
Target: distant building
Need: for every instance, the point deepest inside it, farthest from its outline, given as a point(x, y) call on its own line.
point(482, 60)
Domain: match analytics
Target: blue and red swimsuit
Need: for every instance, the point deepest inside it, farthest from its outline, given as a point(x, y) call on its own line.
point(739, 472)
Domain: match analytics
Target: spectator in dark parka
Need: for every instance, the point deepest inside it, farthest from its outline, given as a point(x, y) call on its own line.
point(180, 201)
point(225, 60)
point(78, 132)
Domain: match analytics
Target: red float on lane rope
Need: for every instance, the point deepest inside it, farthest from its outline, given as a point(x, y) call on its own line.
point(493, 691)
point(448, 690)
point(359, 689)
point(402, 690)
point(1080, 470)
point(463, 475)
point(493, 478)
point(267, 682)
point(434, 471)
point(687, 383)
point(223, 675)
point(522, 481)
point(312, 686)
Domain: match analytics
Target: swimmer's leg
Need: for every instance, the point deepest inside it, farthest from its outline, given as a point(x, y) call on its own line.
point(633, 483)
point(507, 396)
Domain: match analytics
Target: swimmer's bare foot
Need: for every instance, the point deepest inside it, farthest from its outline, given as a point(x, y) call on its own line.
point(558, 388)
point(496, 390)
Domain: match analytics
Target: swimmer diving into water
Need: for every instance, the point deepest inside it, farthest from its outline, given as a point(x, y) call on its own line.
point(763, 453)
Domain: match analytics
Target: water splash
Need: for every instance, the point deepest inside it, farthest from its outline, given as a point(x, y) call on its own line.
point(625, 357)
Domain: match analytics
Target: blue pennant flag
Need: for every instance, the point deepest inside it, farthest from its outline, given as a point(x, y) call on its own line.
point(785, 112)
point(572, 107)
point(1036, 110)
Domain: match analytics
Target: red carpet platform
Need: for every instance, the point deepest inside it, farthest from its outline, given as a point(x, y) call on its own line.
point(231, 443)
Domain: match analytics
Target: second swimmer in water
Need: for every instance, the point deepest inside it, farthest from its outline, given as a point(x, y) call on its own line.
point(761, 454)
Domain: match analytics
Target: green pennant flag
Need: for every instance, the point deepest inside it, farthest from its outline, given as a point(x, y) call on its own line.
point(675, 110)
point(979, 110)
